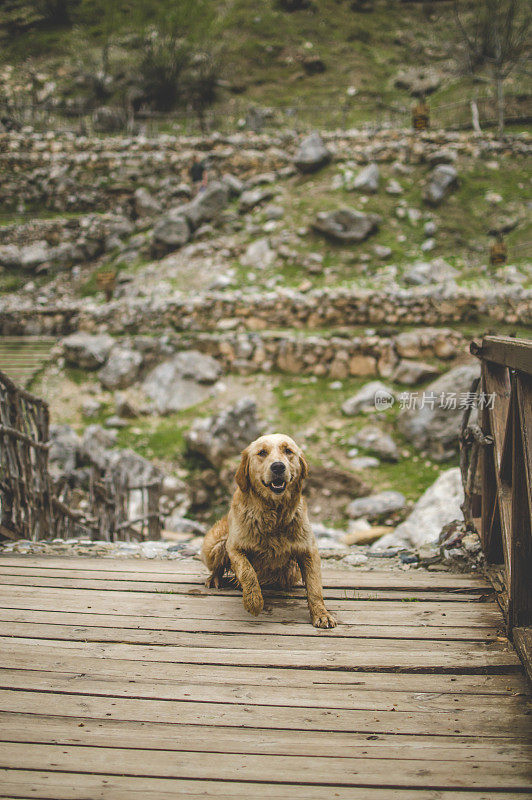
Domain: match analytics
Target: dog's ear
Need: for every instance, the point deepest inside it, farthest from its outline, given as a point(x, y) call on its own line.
point(242, 473)
point(304, 467)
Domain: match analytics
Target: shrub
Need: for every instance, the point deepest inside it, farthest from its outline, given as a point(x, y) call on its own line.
point(162, 67)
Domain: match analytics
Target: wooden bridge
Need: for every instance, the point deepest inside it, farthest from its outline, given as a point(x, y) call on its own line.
point(125, 679)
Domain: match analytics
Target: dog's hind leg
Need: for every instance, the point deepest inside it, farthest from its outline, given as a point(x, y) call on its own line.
point(214, 554)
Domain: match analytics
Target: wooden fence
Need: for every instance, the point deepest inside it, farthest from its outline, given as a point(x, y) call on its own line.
point(33, 507)
point(498, 502)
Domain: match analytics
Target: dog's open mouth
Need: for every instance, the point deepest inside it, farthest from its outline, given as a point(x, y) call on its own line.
point(277, 485)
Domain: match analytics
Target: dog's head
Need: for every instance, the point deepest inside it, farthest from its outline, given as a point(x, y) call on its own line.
point(271, 467)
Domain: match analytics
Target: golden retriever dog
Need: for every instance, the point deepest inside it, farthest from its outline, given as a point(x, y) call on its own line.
point(266, 538)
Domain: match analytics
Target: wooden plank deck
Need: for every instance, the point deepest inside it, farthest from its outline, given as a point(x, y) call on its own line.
point(125, 679)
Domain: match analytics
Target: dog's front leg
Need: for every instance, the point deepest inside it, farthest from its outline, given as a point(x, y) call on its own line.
point(310, 566)
point(247, 577)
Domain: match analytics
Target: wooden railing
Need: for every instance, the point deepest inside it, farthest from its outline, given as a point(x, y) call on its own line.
point(33, 506)
point(499, 505)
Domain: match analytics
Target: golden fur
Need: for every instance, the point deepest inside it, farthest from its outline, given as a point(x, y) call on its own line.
point(266, 538)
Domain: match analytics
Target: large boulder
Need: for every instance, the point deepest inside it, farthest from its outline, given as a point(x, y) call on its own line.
point(438, 506)
point(10, 256)
point(377, 442)
point(441, 180)
point(122, 368)
point(423, 273)
point(376, 506)
point(346, 225)
point(181, 382)
point(252, 198)
point(64, 449)
point(367, 179)
point(225, 434)
point(86, 350)
point(258, 255)
point(145, 204)
point(170, 233)
point(96, 444)
point(373, 395)
point(311, 154)
point(412, 372)
point(207, 205)
point(107, 119)
point(433, 422)
point(28, 257)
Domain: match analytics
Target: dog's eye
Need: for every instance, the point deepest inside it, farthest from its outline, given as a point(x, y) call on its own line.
point(262, 453)
point(288, 451)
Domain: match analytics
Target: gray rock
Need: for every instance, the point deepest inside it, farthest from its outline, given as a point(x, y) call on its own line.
point(91, 407)
point(428, 245)
point(225, 434)
point(413, 372)
point(423, 273)
point(207, 205)
point(441, 181)
point(418, 81)
point(382, 251)
point(87, 351)
point(254, 197)
point(367, 179)
point(258, 255)
point(311, 154)
point(145, 204)
point(346, 225)
point(10, 256)
point(124, 407)
point(179, 524)
point(376, 441)
point(376, 505)
point(128, 466)
point(32, 256)
point(437, 507)
point(364, 462)
point(64, 450)
point(234, 185)
point(108, 120)
point(170, 233)
point(433, 427)
point(115, 422)
point(273, 212)
point(394, 187)
point(181, 382)
point(96, 443)
point(122, 368)
point(443, 156)
point(372, 395)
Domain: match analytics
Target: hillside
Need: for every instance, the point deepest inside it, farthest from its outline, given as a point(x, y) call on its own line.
point(331, 64)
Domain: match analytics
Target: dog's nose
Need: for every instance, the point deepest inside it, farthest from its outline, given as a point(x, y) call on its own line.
point(277, 467)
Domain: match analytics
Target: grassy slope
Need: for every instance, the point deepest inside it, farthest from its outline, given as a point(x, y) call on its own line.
point(262, 45)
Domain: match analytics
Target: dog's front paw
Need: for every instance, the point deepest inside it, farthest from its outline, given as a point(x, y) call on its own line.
point(323, 620)
point(253, 602)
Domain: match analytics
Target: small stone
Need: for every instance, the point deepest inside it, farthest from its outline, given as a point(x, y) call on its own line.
point(367, 179)
point(394, 187)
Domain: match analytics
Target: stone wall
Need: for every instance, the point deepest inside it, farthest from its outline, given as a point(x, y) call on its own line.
point(66, 172)
point(317, 309)
point(335, 357)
